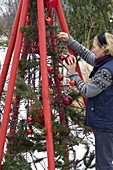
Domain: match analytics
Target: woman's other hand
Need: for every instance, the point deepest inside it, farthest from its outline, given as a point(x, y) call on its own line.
point(64, 36)
point(71, 66)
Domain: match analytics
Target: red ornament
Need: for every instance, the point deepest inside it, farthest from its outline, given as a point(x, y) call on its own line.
point(72, 82)
point(69, 57)
point(29, 131)
point(61, 57)
point(67, 100)
point(60, 77)
point(30, 119)
point(50, 69)
point(48, 20)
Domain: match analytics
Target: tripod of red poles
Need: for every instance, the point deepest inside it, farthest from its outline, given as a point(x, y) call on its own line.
point(14, 48)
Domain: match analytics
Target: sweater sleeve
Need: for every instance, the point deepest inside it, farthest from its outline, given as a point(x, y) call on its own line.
point(80, 50)
point(101, 81)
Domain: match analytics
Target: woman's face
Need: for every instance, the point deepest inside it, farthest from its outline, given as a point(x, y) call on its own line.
point(98, 51)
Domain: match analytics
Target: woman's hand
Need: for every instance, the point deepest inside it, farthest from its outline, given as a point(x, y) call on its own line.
point(64, 36)
point(71, 66)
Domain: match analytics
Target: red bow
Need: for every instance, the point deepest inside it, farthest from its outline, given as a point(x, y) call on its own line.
point(51, 3)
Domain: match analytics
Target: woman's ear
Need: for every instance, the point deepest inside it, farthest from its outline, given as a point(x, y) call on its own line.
point(103, 48)
point(107, 52)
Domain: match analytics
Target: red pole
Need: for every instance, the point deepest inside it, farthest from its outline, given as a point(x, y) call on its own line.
point(61, 17)
point(64, 27)
point(45, 86)
point(12, 79)
point(10, 49)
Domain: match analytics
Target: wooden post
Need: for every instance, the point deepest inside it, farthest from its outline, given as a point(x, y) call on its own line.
point(12, 79)
point(10, 49)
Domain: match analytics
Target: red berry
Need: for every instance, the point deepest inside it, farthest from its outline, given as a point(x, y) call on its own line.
point(60, 77)
point(61, 57)
point(48, 20)
point(30, 119)
point(72, 82)
point(50, 69)
point(29, 131)
point(67, 100)
point(69, 57)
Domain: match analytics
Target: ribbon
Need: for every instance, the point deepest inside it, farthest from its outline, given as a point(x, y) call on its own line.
point(51, 3)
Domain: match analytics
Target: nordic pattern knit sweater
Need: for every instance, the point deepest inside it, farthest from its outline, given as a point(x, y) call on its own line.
point(99, 82)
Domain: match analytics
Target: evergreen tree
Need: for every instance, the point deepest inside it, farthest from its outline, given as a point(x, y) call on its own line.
point(26, 137)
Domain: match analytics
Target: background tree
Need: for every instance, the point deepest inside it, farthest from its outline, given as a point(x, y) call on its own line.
point(8, 10)
point(86, 18)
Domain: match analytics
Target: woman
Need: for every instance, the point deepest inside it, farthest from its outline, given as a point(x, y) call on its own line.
point(98, 91)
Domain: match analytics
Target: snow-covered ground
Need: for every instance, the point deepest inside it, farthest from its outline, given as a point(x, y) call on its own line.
point(2, 55)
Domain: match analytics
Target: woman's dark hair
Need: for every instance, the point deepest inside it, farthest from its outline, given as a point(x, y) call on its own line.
point(102, 39)
point(105, 40)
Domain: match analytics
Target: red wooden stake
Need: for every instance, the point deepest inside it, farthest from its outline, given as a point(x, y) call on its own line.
point(10, 49)
point(45, 85)
point(18, 44)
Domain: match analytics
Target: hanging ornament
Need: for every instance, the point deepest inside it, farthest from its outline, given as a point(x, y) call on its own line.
point(50, 69)
point(69, 57)
point(29, 119)
point(67, 100)
point(60, 77)
point(29, 131)
point(48, 20)
point(72, 82)
point(62, 57)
